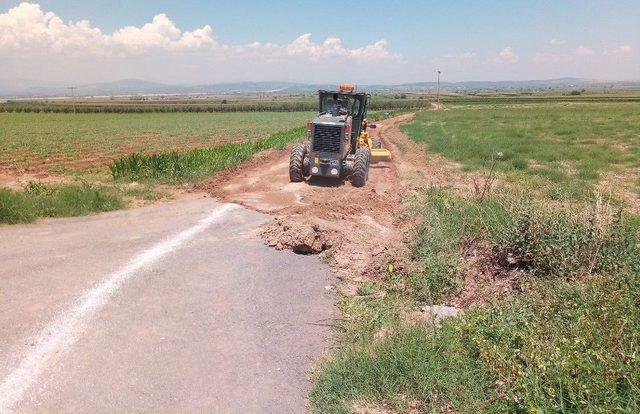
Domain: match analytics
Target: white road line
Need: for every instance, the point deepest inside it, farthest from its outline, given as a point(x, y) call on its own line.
point(64, 331)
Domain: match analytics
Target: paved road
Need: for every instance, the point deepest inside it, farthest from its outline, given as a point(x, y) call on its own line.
point(177, 307)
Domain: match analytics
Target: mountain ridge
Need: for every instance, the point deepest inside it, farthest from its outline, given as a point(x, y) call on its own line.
point(134, 86)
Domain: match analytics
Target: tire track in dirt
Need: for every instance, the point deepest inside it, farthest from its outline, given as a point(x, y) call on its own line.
point(357, 229)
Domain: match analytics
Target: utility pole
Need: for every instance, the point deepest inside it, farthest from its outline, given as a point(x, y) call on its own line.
point(73, 97)
point(438, 93)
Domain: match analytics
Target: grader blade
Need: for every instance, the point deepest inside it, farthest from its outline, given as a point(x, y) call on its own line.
point(380, 154)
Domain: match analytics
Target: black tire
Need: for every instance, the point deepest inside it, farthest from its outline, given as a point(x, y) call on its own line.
point(377, 142)
point(296, 163)
point(361, 167)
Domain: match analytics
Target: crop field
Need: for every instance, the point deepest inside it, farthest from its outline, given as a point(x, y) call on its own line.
point(235, 104)
point(54, 142)
point(58, 164)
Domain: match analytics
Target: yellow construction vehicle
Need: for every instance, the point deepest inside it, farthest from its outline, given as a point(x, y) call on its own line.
point(338, 144)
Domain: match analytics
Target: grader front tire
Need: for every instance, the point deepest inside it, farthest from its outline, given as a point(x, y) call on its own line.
point(296, 163)
point(361, 167)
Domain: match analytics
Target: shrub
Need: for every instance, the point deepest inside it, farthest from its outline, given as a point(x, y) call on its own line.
point(195, 164)
point(563, 242)
point(551, 241)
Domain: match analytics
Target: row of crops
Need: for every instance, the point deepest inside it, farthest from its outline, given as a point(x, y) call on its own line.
point(107, 107)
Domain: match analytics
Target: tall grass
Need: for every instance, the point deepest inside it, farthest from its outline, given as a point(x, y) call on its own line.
point(569, 344)
point(195, 164)
point(548, 240)
point(38, 200)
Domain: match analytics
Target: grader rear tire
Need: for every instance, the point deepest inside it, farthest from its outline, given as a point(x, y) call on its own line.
point(296, 163)
point(361, 167)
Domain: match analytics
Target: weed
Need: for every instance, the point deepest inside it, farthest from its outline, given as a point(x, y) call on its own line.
point(569, 345)
point(366, 289)
point(562, 242)
point(39, 200)
point(195, 164)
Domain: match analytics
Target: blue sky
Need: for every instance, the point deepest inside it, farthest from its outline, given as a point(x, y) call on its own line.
point(468, 40)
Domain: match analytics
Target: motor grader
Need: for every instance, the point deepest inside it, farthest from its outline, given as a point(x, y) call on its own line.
point(338, 144)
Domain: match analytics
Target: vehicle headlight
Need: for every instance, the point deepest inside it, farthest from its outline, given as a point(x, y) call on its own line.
point(314, 170)
point(334, 171)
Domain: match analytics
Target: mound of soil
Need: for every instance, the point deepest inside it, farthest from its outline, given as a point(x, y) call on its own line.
point(302, 238)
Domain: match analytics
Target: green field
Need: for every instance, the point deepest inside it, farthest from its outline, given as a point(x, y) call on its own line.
point(155, 148)
point(561, 150)
point(55, 141)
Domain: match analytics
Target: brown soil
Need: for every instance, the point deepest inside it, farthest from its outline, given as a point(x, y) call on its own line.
point(487, 280)
point(357, 229)
point(16, 181)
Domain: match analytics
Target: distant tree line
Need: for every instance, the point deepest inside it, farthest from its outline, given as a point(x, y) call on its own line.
point(270, 106)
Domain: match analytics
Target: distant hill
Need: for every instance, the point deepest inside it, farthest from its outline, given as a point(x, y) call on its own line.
point(33, 89)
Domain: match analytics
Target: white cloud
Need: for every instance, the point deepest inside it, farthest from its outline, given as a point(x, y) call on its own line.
point(160, 33)
point(557, 42)
point(27, 28)
point(584, 51)
point(507, 55)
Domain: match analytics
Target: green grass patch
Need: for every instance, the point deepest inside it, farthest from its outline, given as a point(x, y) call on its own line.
point(565, 149)
point(436, 369)
point(568, 348)
point(38, 200)
point(190, 166)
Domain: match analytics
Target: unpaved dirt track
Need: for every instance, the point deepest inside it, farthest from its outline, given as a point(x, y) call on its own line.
point(206, 318)
point(359, 227)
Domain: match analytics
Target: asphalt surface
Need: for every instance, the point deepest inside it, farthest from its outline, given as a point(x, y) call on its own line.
point(177, 307)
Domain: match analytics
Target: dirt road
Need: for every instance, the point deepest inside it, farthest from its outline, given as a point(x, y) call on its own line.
point(178, 307)
point(357, 229)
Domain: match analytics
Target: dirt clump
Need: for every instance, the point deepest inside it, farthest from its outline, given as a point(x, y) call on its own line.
point(302, 238)
point(487, 280)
